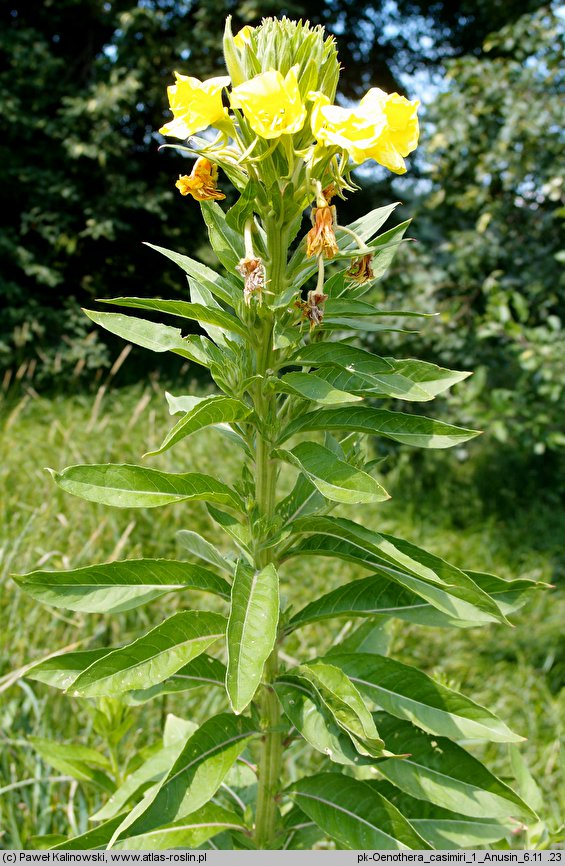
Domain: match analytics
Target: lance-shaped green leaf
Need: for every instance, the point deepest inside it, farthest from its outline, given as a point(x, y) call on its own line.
point(342, 356)
point(430, 377)
point(407, 693)
point(190, 832)
point(356, 370)
point(221, 287)
point(337, 480)
point(344, 702)
point(226, 243)
point(182, 404)
point(149, 335)
point(435, 580)
point(348, 324)
point(202, 671)
point(153, 657)
point(195, 776)
point(313, 388)
point(415, 430)
point(340, 307)
point(313, 720)
point(443, 773)
point(217, 409)
point(303, 499)
point(92, 840)
point(80, 762)
point(377, 594)
point(381, 385)
point(198, 546)
point(60, 671)
point(251, 631)
point(128, 486)
point(239, 531)
point(354, 814)
point(150, 772)
point(443, 829)
point(114, 587)
point(185, 310)
point(222, 337)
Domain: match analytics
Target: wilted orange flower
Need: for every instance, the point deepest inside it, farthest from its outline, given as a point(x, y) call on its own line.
point(320, 240)
point(201, 182)
point(253, 272)
point(360, 270)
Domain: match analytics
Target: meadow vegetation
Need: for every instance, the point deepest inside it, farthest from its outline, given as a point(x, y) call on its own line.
point(518, 673)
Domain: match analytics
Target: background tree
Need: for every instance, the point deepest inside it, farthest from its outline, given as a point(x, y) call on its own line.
point(491, 229)
point(83, 182)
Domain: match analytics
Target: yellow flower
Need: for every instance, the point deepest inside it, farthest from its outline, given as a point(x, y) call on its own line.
point(383, 127)
point(349, 128)
point(400, 136)
point(243, 37)
point(195, 105)
point(271, 103)
point(201, 183)
point(320, 240)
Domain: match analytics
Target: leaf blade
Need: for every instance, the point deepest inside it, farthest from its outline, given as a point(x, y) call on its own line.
point(251, 631)
point(153, 657)
point(129, 486)
point(114, 587)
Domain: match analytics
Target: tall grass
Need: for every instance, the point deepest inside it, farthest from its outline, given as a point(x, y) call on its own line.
point(520, 673)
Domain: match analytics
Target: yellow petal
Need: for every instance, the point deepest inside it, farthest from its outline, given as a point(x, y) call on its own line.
point(195, 105)
point(271, 103)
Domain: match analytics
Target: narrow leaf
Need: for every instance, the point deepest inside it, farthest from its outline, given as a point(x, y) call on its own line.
point(313, 720)
point(415, 430)
point(217, 409)
point(443, 829)
point(194, 777)
point(141, 332)
point(60, 671)
point(345, 703)
point(185, 310)
point(337, 480)
point(92, 840)
point(440, 771)
point(151, 771)
point(251, 631)
point(378, 594)
point(153, 657)
point(435, 580)
point(226, 243)
point(75, 760)
point(190, 832)
point(221, 287)
point(198, 546)
point(127, 486)
point(202, 671)
point(407, 693)
point(313, 388)
point(354, 814)
point(114, 587)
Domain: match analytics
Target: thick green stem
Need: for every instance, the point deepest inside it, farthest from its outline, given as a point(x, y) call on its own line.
point(270, 759)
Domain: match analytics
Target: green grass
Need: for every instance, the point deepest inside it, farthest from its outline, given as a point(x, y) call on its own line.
point(520, 673)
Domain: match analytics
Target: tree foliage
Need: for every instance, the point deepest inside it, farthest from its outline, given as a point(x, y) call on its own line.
point(491, 228)
point(83, 181)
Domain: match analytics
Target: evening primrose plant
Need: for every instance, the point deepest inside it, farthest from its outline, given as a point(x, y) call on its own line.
point(391, 761)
